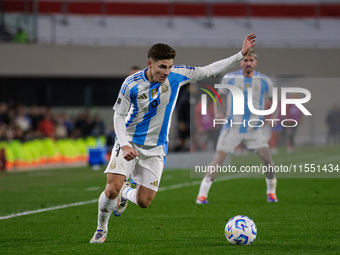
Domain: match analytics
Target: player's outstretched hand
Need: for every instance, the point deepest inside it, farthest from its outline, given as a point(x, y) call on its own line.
point(129, 153)
point(248, 43)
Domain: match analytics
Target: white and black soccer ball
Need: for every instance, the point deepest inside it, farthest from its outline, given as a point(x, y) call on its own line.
point(240, 230)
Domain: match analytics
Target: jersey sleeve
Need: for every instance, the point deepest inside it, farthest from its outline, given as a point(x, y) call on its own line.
point(120, 128)
point(194, 74)
point(123, 102)
point(218, 68)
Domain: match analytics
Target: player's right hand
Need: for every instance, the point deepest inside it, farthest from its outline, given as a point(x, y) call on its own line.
point(129, 153)
point(248, 44)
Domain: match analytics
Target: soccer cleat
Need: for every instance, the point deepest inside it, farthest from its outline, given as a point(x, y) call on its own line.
point(201, 200)
point(272, 198)
point(121, 202)
point(99, 236)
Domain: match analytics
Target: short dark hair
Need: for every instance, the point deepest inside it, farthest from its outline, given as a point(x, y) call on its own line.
point(161, 51)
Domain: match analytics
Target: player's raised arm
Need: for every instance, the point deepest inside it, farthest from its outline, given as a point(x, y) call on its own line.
point(222, 66)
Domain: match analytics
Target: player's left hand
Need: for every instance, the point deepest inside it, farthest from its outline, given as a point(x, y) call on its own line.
point(248, 43)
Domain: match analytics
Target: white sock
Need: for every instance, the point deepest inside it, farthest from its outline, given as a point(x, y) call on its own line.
point(271, 185)
point(105, 209)
point(130, 194)
point(205, 187)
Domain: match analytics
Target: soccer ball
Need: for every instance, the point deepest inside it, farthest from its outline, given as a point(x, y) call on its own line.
point(240, 230)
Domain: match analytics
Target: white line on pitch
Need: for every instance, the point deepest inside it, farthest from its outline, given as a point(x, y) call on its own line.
point(171, 187)
point(47, 209)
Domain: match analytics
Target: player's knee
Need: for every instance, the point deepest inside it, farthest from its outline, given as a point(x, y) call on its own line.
point(144, 196)
point(144, 203)
point(112, 191)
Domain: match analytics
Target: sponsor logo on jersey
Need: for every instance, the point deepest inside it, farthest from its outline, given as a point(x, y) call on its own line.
point(154, 93)
point(143, 96)
point(164, 88)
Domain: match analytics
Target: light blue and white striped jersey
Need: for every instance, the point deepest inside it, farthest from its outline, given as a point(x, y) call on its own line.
point(148, 106)
point(262, 87)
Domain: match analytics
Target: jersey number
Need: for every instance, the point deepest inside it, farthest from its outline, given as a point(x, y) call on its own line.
point(117, 149)
point(154, 103)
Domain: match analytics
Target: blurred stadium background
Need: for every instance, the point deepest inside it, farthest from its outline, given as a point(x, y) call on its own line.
point(61, 67)
point(68, 58)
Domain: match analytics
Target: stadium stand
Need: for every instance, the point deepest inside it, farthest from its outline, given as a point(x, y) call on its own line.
point(296, 38)
point(279, 23)
point(31, 137)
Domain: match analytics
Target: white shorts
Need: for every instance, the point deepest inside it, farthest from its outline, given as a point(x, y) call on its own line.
point(146, 168)
point(228, 140)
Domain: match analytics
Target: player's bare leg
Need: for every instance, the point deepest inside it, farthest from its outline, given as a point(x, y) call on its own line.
point(271, 181)
point(113, 185)
point(145, 196)
point(106, 204)
point(141, 195)
point(206, 183)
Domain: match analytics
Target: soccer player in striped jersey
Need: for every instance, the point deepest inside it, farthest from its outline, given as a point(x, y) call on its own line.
point(142, 118)
point(233, 134)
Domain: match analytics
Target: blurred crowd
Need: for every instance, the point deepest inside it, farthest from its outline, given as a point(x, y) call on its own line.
point(18, 121)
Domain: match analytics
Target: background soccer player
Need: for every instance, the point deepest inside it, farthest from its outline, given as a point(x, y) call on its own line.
point(142, 120)
point(252, 137)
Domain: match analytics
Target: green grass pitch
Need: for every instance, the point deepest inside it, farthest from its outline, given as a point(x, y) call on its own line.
point(305, 221)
